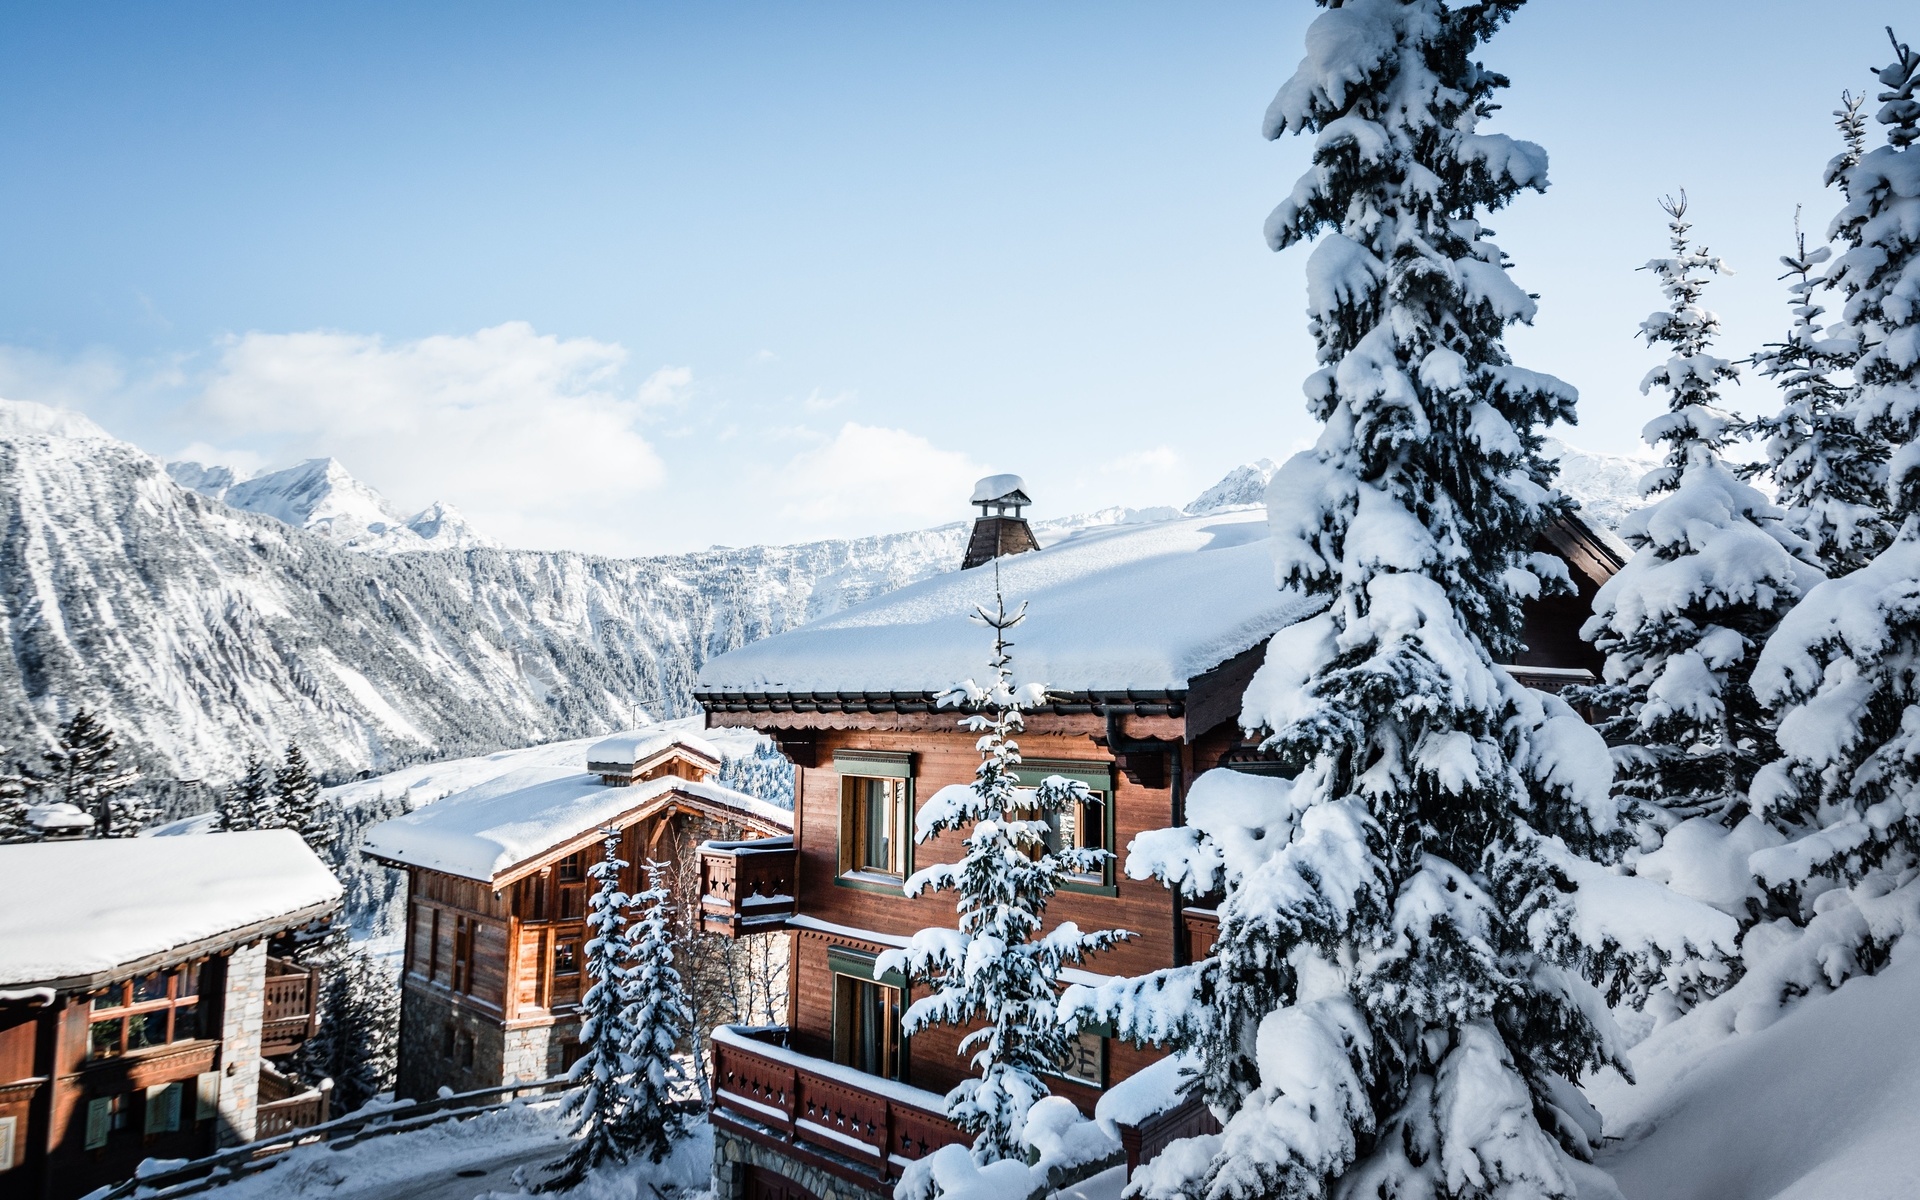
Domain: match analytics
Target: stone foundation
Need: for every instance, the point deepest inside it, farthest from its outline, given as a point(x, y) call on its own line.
point(433, 1035)
point(733, 1154)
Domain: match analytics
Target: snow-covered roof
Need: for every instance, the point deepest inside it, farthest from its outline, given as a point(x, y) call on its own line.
point(995, 487)
point(626, 749)
point(486, 831)
point(1145, 607)
point(106, 908)
point(58, 816)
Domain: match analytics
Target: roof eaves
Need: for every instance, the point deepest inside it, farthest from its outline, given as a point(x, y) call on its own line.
point(216, 944)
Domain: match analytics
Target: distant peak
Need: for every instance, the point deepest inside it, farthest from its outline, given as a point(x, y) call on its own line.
point(18, 417)
point(1245, 484)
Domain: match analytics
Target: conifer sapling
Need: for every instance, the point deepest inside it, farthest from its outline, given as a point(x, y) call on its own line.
point(997, 969)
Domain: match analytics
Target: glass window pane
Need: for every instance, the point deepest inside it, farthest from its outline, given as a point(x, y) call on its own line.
point(146, 1029)
point(150, 987)
point(566, 957)
point(113, 997)
point(186, 1022)
point(189, 984)
point(878, 840)
point(103, 1039)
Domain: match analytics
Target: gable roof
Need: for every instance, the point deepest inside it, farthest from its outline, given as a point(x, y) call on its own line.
point(491, 832)
point(626, 751)
point(1140, 607)
point(75, 915)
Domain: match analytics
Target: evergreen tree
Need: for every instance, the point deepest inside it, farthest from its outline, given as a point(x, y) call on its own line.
point(249, 802)
point(296, 800)
point(997, 971)
point(14, 789)
point(658, 1014)
point(1828, 472)
point(357, 1044)
point(1713, 572)
point(1843, 665)
point(1392, 1007)
point(82, 771)
point(607, 1034)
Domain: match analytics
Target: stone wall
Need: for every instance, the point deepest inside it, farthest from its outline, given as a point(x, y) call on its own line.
point(733, 1154)
point(243, 1010)
point(433, 1033)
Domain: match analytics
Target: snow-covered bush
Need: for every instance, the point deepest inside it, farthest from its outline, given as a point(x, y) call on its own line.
point(996, 968)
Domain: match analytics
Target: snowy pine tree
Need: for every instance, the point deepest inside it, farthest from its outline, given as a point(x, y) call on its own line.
point(248, 802)
point(1845, 664)
point(358, 1041)
point(1393, 1006)
point(604, 1071)
point(659, 1017)
point(996, 969)
point(296, 801)
point(82, 771)
point(1714, 570)
point(1829, 475)
point(14, 789)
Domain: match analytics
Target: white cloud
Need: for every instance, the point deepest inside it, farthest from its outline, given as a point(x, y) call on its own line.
point(1158, 461)
point(243, 463)
point(818, 401)
point(665, 386)
point(878, 479)
point(528, 434)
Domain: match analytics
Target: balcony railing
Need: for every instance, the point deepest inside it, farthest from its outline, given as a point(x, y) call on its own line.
point(746, 887)
point(1203, 929)
point(286, 1104)
point(292, 1008)
point(878, 1124)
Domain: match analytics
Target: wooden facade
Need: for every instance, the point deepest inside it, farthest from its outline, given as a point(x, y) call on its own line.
point(160, 1064)
point(495, 968)
point(1141, 749)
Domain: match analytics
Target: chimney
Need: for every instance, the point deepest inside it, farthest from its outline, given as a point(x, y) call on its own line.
point(994, 532)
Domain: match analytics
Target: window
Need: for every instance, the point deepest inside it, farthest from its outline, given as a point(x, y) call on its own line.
point(866, 1026)
point(163, 1108)
point(1084, 824)
point(142, 1013)
point(463, 1048)
point(876, 816)
point(1086, 1060)
point(566, 956)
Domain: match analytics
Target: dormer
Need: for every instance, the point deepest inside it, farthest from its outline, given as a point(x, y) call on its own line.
point(630, 758)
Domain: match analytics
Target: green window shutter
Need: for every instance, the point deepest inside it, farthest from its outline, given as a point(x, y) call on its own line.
point(883, 764)
point(1098, 776)
point(842, 960)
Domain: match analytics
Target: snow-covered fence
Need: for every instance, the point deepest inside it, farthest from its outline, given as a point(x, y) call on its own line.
point(229, 1165)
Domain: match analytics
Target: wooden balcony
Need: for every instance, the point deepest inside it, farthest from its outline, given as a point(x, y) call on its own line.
point(285, 1105)
point(747, 887)
point(1203, 929)
point(860, 1127)
point(292, 1008)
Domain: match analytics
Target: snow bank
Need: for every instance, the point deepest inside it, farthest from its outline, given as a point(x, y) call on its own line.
point(1823, 1103)
point(1103, 615)
point(124, 900)
point(1066, 1146)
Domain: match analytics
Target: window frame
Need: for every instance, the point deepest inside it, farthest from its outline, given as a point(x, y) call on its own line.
point(127, 1008)
point(858, 770)
point(856, 967)
point(1099, 778)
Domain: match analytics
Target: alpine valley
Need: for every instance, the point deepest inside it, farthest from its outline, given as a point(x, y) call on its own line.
point(204, 617)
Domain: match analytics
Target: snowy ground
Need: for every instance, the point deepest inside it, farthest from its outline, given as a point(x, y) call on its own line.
point(1823, 1103)
point(461, 1160)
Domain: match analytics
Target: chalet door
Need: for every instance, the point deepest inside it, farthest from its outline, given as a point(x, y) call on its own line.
point(762, 1184)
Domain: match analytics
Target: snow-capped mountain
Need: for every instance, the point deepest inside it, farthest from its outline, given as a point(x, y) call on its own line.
point(1245, 484)
point(202, 630)
point(1606, 485)
point(323, 497)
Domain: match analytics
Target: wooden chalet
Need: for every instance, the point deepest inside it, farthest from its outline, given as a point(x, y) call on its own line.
point(141, 999)
point(497, 891)
point(1146, 637)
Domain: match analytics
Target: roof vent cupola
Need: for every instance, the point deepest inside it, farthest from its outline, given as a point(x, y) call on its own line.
point(1000, 529)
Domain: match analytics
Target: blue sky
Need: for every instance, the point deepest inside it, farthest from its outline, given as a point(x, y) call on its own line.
point(649, 277)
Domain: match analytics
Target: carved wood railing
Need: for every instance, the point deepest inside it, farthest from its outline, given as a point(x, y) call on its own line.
point(1203, 929)
point(292, 1007)
point(877, 1123)
point(1144, 1142)
point(298, 1111)
point(747, 887)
